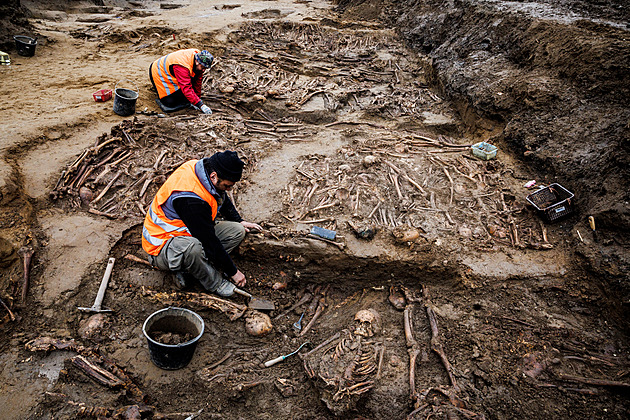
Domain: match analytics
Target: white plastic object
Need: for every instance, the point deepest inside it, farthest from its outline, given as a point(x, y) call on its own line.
point(274, 361)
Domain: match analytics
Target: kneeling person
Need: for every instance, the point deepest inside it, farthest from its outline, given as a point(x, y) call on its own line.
point(180, 230)
point(177, 79)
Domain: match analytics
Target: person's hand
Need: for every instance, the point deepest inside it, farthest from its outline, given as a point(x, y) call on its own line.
point(206, 109)
point(239, 279)
point(249, 225)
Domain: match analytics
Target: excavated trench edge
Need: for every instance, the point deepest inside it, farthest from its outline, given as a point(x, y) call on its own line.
point(320, 265)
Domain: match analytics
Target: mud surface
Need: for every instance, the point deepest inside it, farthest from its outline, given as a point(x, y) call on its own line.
point(356, 117)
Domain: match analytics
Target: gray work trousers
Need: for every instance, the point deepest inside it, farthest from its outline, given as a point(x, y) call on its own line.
point(185, 253)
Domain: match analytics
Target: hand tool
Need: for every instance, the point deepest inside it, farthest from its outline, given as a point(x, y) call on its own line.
point(256, 303)
point(298, 324)
point(281, 358)
point(101, 290)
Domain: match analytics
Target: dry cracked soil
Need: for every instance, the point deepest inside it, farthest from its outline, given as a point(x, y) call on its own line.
point(449, 290)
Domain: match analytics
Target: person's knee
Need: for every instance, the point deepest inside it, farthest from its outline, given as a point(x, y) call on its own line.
point(240, 232)
point(195, 249)
point(231, 235)
point(194, 255)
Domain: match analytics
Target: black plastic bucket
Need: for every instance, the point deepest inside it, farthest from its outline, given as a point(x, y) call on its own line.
point(25, 45)
point(125, 101)
point(178, 321)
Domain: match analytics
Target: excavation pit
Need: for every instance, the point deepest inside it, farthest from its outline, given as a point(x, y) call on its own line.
point(515, 329)
point(363, 128)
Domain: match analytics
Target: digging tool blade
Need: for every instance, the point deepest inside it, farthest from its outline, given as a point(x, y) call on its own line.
point(261, 304)
point(256, 303)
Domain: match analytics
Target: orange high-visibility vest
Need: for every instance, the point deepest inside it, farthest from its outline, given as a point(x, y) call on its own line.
point(158, 228)
point(162, 70)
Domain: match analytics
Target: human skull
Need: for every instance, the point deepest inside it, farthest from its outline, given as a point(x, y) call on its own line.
point(257, 323)
point(367, 322)
point(369, 160)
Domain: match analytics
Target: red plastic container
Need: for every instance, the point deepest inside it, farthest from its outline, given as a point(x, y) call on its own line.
point(102, 95)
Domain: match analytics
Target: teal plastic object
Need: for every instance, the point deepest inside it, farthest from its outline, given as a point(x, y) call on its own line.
point(485, 151)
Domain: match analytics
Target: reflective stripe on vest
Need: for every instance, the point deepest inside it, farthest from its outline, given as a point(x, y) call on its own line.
point(165, 81)
point(150, 239)
point(163, 72)
point(166, 226)
point(158, 228)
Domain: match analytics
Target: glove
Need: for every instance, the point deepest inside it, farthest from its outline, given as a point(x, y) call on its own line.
point(206, 109)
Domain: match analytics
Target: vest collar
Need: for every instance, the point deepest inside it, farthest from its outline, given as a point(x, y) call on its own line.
point(200, 171)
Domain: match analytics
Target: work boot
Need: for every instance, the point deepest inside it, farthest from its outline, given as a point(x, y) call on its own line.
point(181, 281)
point(225, 289)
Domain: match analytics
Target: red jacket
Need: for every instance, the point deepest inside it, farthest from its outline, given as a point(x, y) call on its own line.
point(191, 87)
point(176, 71)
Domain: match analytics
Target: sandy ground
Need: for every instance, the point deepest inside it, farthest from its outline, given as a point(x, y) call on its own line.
point(57, 117)
point(515, 321)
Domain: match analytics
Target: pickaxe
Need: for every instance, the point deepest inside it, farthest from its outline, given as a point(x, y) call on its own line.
point(101, 290)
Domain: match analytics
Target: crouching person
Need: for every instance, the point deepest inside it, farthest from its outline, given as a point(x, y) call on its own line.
point(177, 79)
point(181, 233)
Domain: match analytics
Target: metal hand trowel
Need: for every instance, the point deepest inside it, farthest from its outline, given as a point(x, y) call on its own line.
point(256, 303)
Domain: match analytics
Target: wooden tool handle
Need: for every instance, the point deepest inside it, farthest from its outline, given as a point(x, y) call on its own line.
point(242, 292)
point(101, 290)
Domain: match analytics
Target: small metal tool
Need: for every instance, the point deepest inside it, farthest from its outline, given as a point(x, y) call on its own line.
point(298, 324)
point(256, 303)
point(281, 358)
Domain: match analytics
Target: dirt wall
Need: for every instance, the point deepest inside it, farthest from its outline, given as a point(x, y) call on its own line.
point(555, 75)
point(517, 322)
point(15, 15)
point(13, 21)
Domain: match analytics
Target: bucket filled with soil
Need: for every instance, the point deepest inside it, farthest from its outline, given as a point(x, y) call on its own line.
point(172, 335)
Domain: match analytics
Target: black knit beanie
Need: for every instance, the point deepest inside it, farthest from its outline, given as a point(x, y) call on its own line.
point(226, 164)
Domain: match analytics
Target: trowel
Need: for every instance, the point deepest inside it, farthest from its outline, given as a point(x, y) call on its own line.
point(256, 303)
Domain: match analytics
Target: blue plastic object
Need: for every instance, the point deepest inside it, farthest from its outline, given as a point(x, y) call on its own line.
point(324, 233)
point(298, 324)
point(485, 151)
